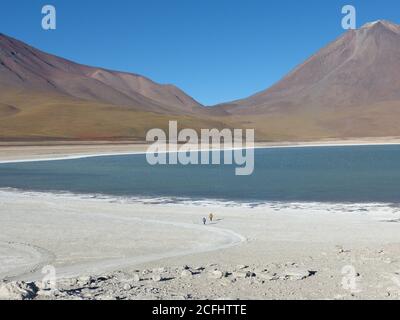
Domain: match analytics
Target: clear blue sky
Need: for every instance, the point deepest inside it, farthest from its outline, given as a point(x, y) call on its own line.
point(215, 50)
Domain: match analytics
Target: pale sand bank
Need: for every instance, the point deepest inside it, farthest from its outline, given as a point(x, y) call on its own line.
point(81, 236)
point(15, 152)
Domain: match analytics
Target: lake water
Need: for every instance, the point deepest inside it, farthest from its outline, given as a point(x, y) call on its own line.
point(312, 174)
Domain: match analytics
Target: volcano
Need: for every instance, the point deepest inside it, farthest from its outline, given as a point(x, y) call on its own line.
point(350, 88)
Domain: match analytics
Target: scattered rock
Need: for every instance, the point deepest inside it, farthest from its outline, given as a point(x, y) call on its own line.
point(291, 264)
point(267, 276)
point(50, 294)
point(298, 274)
point(341, 250)
point(125, 284)
point(244, 274)
point(102, 278)
point(18, 291)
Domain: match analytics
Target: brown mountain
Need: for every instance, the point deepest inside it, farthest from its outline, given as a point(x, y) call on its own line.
point(351, 88)
point(44, 96)
point(22, 66)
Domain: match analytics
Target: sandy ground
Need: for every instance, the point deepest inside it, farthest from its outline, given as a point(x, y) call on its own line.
point(115, 249)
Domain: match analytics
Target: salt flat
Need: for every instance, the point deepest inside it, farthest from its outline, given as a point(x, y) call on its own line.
point(83, 236)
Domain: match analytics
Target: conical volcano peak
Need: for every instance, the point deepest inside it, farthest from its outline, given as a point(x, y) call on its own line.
point(356, 75)
point(382, 23)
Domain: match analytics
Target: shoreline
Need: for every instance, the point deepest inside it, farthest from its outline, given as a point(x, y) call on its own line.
point(203, 202)
point(21, 154)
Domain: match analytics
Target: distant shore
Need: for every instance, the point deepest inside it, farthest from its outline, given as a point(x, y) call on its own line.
point(63, 150)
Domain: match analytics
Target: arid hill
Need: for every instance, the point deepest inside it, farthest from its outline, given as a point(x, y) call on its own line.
point(351, 88)
point(46, 97)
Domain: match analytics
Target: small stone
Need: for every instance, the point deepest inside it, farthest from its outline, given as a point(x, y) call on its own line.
point(157, 278)
point(102, 278)
point(216, 274)
point(135, 277)
point(127, 287)
point(87, 295)
point(84, 280)
point(186, 273)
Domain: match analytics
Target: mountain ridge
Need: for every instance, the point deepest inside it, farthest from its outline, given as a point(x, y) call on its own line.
point(45, 97)
point(348, 89)
point(48, 72)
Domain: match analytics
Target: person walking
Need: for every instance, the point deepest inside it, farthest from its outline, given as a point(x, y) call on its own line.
point(211, 217)
point(204, 220)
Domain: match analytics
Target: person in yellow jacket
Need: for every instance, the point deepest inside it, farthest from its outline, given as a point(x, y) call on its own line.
point(211, 217)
